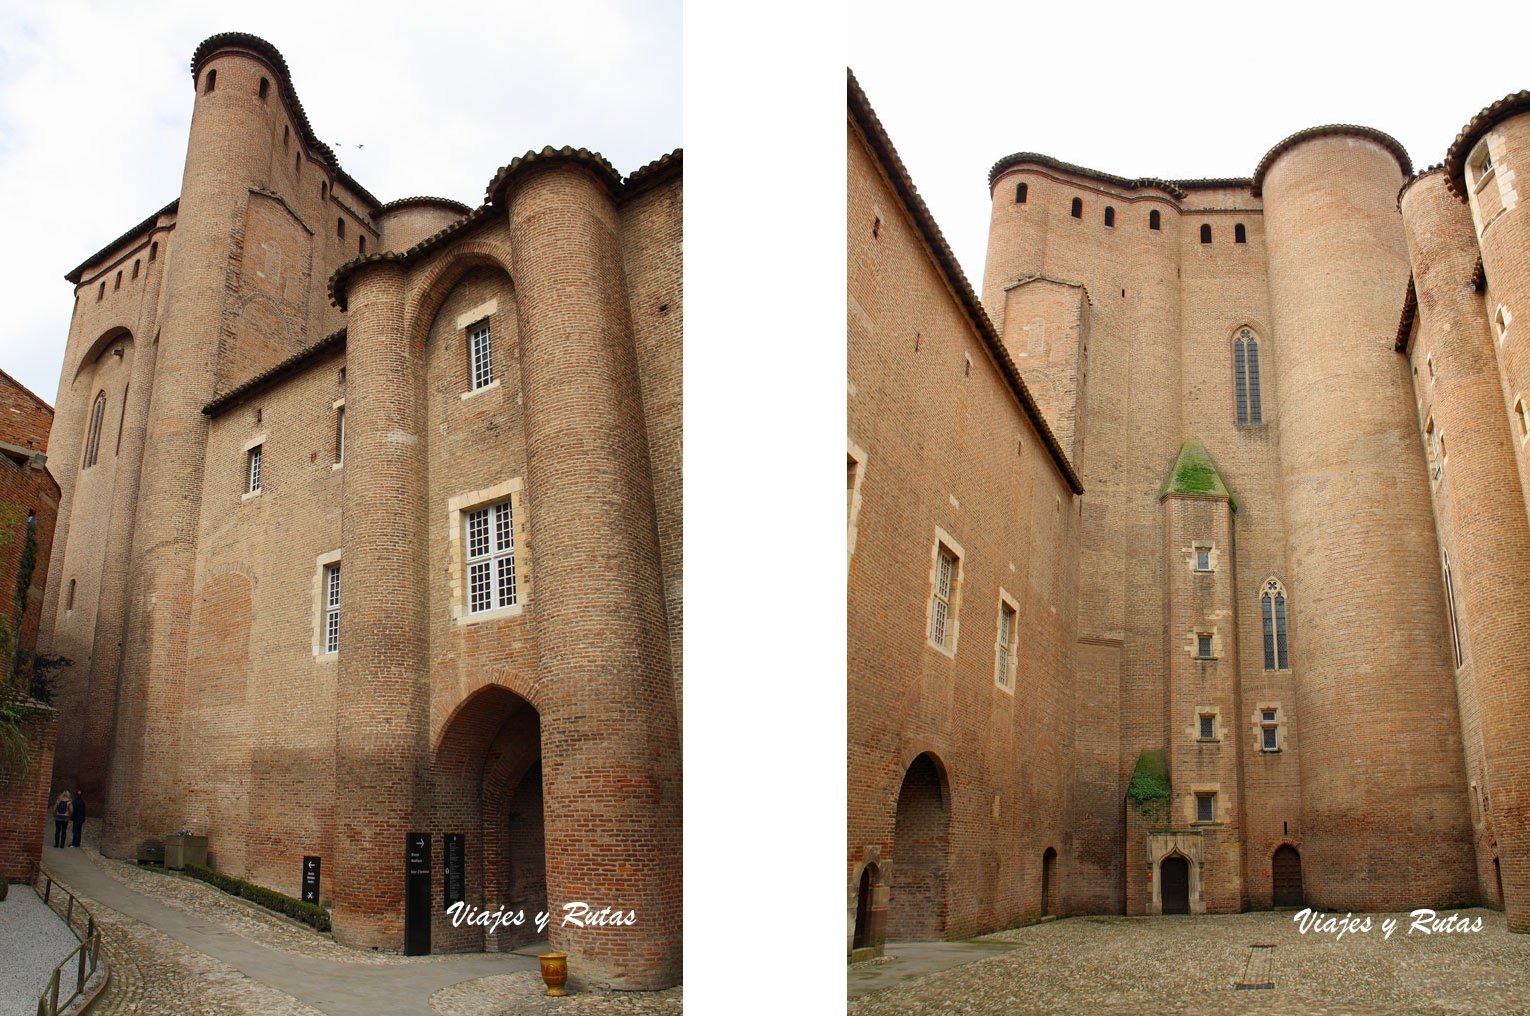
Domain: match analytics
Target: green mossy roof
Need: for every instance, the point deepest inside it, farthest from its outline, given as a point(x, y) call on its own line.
point(1195, 474)
point(1150, 780)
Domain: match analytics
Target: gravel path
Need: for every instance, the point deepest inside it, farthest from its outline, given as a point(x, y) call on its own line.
point(525, 993)
point(33, 939)
point(1097, 965)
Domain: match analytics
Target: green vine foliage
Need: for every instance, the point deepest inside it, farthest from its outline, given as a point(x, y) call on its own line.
point(16, 705)
point(1150, 782)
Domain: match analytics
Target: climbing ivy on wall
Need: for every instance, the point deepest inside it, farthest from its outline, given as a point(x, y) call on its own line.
point(1150, 781)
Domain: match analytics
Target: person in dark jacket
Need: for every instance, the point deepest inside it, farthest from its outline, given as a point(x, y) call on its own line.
point(77, 817)
point(61, 810)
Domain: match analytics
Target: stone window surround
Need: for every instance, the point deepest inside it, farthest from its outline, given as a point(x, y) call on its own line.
point(953, 603)
point(465, 321)
point(457, 509)
point(1198, 792)
point(249, 446)
point(1012, 668)
point(858, 455)
point(1213, 713)
point(1261, 725)
point(320, 601)
point(1490, 147)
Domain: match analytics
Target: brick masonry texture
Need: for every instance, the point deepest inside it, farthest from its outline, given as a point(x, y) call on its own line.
point(203, 695)
point(1398, 775)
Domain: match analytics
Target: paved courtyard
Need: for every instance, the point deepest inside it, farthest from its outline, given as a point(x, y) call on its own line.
point(179, 946)
point(1120, 965)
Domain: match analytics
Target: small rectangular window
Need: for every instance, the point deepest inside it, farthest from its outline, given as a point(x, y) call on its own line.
point(490, 557)
point(252, 475)
point(480, 355)
point(1208, 728)
point(1205, 807)
point(1203, 646)
point(1269, 738)
point(332, 609)
point(1203, 559)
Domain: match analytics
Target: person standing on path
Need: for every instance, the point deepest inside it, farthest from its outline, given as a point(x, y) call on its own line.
point(61, 811)
point(77, 817)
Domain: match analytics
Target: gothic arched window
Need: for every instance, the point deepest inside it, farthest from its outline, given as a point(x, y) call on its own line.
point(1246, 378)
point(1272, 607)
point(93, 437)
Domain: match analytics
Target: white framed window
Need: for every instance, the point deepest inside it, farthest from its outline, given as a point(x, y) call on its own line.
point(1008, 633)
point(1272, 609)
point(490, 540)
point(488, 548)
point(1269, 728)
point(480, 356)
point(945, 593)
point(1481, 164)
point(332, 608)
point(1205, 807)
point(252, 469)
point(1203, 557)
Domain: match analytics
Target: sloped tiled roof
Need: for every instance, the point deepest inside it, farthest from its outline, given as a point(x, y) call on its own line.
point(1455, 157)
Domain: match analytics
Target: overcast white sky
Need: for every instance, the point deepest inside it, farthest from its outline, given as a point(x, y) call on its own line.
point(95, 105)
point(1168, 90)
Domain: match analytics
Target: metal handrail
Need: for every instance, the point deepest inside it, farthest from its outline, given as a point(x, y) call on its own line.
point(88, 952)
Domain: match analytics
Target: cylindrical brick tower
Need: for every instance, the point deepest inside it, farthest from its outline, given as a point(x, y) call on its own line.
point(611, 754)
point(1384, 815)
point(228, 153)
point(382, 705)
point(1488, 166)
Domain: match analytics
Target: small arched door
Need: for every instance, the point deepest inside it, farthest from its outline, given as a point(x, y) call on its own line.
point(1286, 870)
point(1174, 874)
point(863, 912)
point(1048, 869)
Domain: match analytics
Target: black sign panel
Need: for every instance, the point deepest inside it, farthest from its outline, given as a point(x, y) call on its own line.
point(417, 894)
point(455, 882)
point(311, 880)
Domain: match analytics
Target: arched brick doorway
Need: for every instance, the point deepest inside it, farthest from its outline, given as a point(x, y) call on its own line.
point(1286, 872)
point(1175, 885)
point(487, 787)
point(1048, 874)
point(916, 907)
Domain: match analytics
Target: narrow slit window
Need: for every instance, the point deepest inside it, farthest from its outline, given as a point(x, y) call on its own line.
point(69, 598)
point(122, 419)
point(252, 470)
point(491, 557)
point(340, 228)
point(211, 82)
point(93, 436)
point(118, 283)
point(1522, 418)
point(1078, 208)
point(1240, 234)
point(265, 86)
point(136, 263)
point(1022, 191)
point(340, 434)
point(1450, 602)
point(1155, 219)
point(1110, 217)
point(1205, 233)
point(480, 355)
point(361, 244)
point(323, 190)
point(153, 250)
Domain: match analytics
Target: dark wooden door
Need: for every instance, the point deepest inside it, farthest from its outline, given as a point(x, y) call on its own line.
point(1287, 872)
point(1175, 873)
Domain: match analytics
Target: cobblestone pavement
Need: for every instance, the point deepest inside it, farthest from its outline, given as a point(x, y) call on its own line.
point(153, 973)
point(525, 993)
point(1119, 965)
